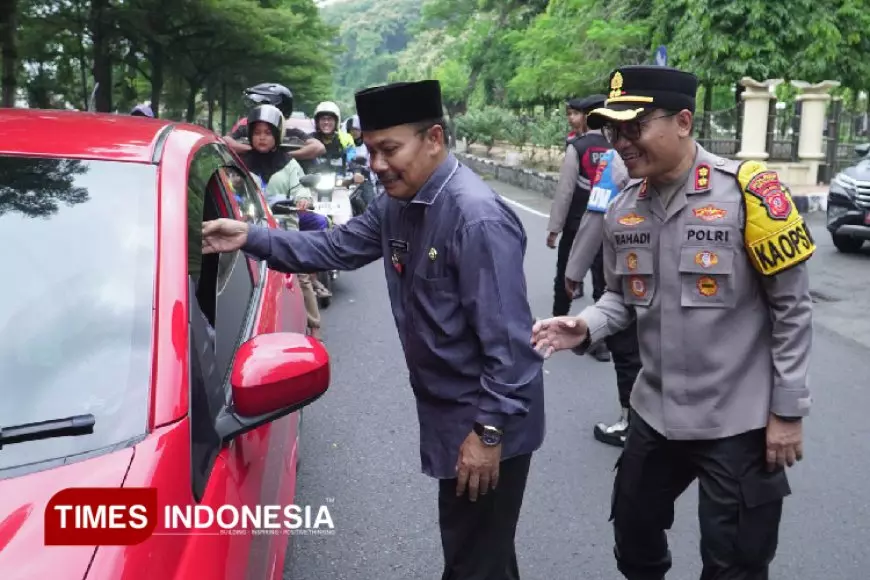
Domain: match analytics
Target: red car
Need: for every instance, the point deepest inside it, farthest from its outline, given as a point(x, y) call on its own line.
point(164, 367)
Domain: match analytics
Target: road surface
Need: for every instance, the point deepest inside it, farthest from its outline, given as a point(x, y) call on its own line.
point(361, 455)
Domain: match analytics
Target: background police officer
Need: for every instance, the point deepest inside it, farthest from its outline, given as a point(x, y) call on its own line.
point(587, 253)
point(710, 255)
point(569, 204)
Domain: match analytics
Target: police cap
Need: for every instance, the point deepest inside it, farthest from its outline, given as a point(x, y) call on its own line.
point(399, 104)
point(587, 104)
point(635, 90)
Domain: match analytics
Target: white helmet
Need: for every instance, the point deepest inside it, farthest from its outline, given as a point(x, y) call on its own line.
point(328, 108)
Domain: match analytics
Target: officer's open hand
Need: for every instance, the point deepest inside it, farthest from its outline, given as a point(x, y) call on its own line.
point(784, 442)
point(223, 235)
point(559, 333)
point(477, 467)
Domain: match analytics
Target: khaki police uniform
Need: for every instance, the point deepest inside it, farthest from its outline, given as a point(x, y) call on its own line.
point(719, 288)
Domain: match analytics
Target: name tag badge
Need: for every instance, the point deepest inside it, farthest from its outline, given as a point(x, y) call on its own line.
point(399, 249)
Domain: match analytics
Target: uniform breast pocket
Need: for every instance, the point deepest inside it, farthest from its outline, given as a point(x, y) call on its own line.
point(707, 277)
point(436, 308)
point(635, 267)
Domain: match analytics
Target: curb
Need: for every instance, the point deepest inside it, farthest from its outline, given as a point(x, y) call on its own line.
point(545, 183)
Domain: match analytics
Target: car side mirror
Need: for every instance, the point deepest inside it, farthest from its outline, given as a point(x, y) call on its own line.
point(310, 180)
point(273, 375)
point(862, 150)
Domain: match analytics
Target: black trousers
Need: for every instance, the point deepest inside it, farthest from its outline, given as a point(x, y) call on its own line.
point(623, 345)
point(478, 537)
point(561, 300)
point(740, 503)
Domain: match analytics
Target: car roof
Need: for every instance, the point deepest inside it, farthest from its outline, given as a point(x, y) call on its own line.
point(80, 135)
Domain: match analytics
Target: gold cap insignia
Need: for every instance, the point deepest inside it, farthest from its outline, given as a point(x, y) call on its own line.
point(616, 85)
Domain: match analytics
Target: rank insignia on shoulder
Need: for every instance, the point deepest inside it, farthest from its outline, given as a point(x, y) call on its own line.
point(702, 177)
point(709, 213)
point(631, 219)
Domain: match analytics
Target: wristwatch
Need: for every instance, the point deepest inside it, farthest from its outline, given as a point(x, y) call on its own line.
point(490, 436)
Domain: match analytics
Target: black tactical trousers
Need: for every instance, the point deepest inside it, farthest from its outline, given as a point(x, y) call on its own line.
point(740, 503)
point(478, 537)
point(561, 300)
point(623, 345)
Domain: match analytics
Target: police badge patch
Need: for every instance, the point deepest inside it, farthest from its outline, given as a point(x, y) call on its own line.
point(708, 286)
point(767, 188)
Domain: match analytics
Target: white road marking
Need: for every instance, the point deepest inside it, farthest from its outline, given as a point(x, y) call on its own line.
point(525, 207)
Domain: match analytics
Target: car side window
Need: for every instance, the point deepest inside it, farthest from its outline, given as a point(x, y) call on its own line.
point(242, 188)
point(224, 282)
point(223, 300)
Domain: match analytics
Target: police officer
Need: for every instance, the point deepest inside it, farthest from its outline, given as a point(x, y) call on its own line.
point(710, 256)
point(588, 252)
point(459, 299)
point(575, 179)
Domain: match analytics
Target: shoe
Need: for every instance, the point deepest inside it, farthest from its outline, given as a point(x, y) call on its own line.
point(613, 434)
point(600, 353)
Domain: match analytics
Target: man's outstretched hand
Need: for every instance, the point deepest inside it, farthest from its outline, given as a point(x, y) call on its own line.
point(559, 333)
point(223, 235)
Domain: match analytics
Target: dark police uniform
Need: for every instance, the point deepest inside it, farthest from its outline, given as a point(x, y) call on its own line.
point(718, 283)
point(569, 204)
point(458, 295)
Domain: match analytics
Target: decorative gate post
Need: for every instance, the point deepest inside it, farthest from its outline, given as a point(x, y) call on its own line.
point(814, 99)
point(756, 104)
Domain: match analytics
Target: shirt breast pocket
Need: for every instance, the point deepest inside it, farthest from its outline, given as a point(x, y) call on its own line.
point(707, 277)
point(436, 308)
point(635, 267)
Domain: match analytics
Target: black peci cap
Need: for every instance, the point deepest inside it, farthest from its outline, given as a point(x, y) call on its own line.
point(635, 90)
point(399, 104)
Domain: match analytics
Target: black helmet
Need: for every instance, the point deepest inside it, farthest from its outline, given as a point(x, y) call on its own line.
point(270, 115)
point(271, 94)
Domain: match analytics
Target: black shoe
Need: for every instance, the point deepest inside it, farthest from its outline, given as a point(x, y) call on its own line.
point(613, 434)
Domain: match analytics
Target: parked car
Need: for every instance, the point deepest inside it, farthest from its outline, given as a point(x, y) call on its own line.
point(184, 372)
point(849, 204)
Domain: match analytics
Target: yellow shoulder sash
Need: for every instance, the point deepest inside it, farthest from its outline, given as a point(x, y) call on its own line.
point(776, 236)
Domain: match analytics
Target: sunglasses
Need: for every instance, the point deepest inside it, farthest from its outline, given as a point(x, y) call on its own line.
point(630, 130)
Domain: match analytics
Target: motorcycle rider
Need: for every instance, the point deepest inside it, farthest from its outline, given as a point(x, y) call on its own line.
point(281, 174)
point(282, 98)
point(327, 122)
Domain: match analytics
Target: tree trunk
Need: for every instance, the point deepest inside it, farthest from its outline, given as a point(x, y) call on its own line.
point(223, 108)
point(102, 57)
point(706, 128)
point(210, 102)
point(8, 27)
point(155, 57)
point(193, 91)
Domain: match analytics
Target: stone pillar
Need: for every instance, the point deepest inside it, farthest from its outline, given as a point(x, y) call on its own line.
point(814, 99)
point(756, 105)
